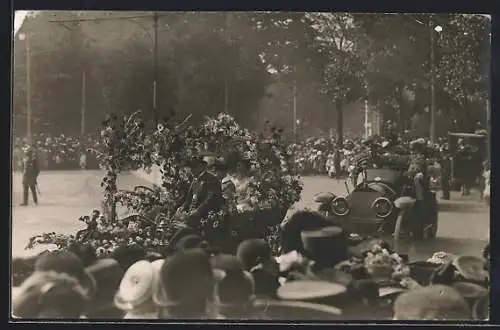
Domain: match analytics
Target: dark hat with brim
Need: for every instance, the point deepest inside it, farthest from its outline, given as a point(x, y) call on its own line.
point(184, 277)
point(107, 274)
point(330, 239)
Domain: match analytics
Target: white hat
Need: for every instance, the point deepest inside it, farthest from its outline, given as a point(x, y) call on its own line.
point(137, 284)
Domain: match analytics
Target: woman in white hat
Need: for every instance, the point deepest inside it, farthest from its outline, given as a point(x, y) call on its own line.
point(135, 295)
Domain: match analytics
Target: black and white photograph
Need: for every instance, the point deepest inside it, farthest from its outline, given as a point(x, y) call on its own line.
point(250, 165)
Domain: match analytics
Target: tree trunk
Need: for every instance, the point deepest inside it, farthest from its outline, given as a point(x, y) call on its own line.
point(340, 134)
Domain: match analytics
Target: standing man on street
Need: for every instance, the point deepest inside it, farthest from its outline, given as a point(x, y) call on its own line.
point(465, 166)
point(30, 175)
point(417, 171)
point(445, 162)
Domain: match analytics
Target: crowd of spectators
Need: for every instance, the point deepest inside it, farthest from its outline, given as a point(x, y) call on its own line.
point(316, 155)
point(191, 280)
point(59, 152)
point(313, 156)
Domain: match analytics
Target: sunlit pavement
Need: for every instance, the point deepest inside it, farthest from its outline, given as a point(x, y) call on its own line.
point(66, 195)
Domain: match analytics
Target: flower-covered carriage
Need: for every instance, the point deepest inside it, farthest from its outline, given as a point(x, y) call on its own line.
point(271, 185)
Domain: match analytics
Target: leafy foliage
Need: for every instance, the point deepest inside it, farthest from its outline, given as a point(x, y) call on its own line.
point(464, 74)
point(399, 63)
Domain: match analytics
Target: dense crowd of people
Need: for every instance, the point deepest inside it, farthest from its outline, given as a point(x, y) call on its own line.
point(192, 280)
point(58, 152)
point(198, 275)
point(317, 156)
point(313, 156)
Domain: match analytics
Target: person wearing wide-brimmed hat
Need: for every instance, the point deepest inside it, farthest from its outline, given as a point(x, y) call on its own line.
point(432, 303)
point(66, 262)
point(186, 285)
point(107, 274)
point(31, 171)
point(49, 295)
point(234, 288)
point(290, 239)
point(255, 255)
point(135, 294)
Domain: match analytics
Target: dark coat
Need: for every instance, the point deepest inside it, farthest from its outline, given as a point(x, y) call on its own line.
point(30, 170)
point(204, 195)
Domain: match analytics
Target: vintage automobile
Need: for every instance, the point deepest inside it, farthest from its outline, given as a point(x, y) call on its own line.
point(375, 203)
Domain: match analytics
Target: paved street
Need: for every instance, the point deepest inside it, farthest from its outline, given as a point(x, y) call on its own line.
point(66, 195)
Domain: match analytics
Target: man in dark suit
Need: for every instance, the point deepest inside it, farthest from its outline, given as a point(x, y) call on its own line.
point(204, 195)
point(445, 162)
point(417, 171)
point(30, 175)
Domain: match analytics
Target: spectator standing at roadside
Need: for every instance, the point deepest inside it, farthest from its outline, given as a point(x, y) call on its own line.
point(30, 175)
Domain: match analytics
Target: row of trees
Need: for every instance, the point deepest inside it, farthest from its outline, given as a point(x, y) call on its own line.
point(239, 62)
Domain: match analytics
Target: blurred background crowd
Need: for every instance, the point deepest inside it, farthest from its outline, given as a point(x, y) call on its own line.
point(60, 152)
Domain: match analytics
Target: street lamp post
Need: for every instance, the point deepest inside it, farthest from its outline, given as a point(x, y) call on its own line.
point(432, 128)
point(155, 65)
point(25, 36)
point(432, 28)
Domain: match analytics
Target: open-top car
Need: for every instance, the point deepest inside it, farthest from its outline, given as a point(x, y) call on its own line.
point(378, 198)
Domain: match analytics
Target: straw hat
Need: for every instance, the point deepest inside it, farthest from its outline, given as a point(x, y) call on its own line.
point(309, 290)
point(137, 284)
point(471, 268)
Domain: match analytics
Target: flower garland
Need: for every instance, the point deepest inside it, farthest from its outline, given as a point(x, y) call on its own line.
point(381, 263)
point(173, 147)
